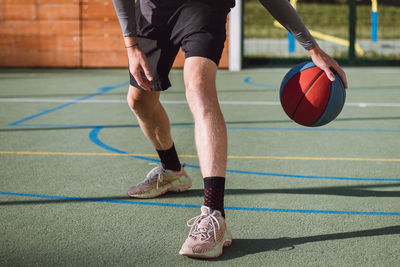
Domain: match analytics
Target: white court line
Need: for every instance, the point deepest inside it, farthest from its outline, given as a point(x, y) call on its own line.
point(179, 102)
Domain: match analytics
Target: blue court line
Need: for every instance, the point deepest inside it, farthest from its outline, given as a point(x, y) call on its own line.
point(249, 81)
point(94, 137)
point(42, 125)
point(132, 202)
point(314, 176)
point(101, 91)
point(228, 127)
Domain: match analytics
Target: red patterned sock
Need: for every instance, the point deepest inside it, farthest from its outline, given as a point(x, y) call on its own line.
point(214, 188)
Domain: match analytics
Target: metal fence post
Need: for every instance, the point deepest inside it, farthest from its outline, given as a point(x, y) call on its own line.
point(352, 29)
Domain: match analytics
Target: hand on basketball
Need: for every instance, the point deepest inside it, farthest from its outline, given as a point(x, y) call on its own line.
point(327, 64)
point(139, 68)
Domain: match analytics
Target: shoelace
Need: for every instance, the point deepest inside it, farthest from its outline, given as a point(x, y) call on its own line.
point(204, 232)
point(156, 172)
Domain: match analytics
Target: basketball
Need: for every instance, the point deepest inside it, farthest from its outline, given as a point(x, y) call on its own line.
point(309, 98)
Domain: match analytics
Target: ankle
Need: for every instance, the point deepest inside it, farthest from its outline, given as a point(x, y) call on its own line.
point(169, 159)
point(214, 189)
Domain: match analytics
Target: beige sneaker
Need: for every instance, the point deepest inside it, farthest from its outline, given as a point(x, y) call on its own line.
point(208, 235)
point(159, 181)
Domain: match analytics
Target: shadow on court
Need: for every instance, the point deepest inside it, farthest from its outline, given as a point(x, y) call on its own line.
point(244, 247)
point(351, 191)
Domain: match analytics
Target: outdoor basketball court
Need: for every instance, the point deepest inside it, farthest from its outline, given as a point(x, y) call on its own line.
point(294, 196)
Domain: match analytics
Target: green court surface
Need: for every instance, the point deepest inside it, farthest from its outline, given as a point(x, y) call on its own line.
point(295, 196)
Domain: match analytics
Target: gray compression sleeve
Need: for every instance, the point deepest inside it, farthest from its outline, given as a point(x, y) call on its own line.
point(125, 10)
point(283, 12)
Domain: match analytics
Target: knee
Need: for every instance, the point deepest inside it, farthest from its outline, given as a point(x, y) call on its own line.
point(133, 102)
point(201, 97)
point(197, 84)
point(139, 100)
point(200, 77)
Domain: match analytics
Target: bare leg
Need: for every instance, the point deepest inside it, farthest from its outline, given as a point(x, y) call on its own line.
point(153, 119)
point(210, 128)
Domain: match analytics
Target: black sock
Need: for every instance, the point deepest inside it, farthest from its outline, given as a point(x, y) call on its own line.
point(169, 159)
point(214, 188)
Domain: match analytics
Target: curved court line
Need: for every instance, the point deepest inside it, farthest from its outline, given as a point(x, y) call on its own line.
point(132, 202)
point(101, 91)
point(94, 137)
point(264, 85)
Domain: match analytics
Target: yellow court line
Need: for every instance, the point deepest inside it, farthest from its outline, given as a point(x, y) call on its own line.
point(194, 156)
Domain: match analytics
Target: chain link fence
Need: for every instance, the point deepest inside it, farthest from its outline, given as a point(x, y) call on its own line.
point(349, 30)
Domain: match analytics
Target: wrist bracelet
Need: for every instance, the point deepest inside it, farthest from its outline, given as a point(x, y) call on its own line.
point(131, 45)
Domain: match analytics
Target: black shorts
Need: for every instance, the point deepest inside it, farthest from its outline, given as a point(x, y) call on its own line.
point(195, 26)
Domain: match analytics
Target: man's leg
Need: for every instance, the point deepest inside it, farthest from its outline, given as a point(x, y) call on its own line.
point(154, 122)
point(208, 234)
point(153, 119)
point(210, 128)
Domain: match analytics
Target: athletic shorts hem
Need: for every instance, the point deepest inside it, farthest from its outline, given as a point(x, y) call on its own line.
point(158, 84)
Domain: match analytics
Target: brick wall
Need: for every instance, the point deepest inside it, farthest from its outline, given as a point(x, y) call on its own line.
point(64, 33)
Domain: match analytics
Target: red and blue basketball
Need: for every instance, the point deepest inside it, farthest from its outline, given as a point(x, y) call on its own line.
point(309, 98)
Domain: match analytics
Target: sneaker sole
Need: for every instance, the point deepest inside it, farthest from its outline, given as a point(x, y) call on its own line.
point(211, 254)
point(175, 189)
